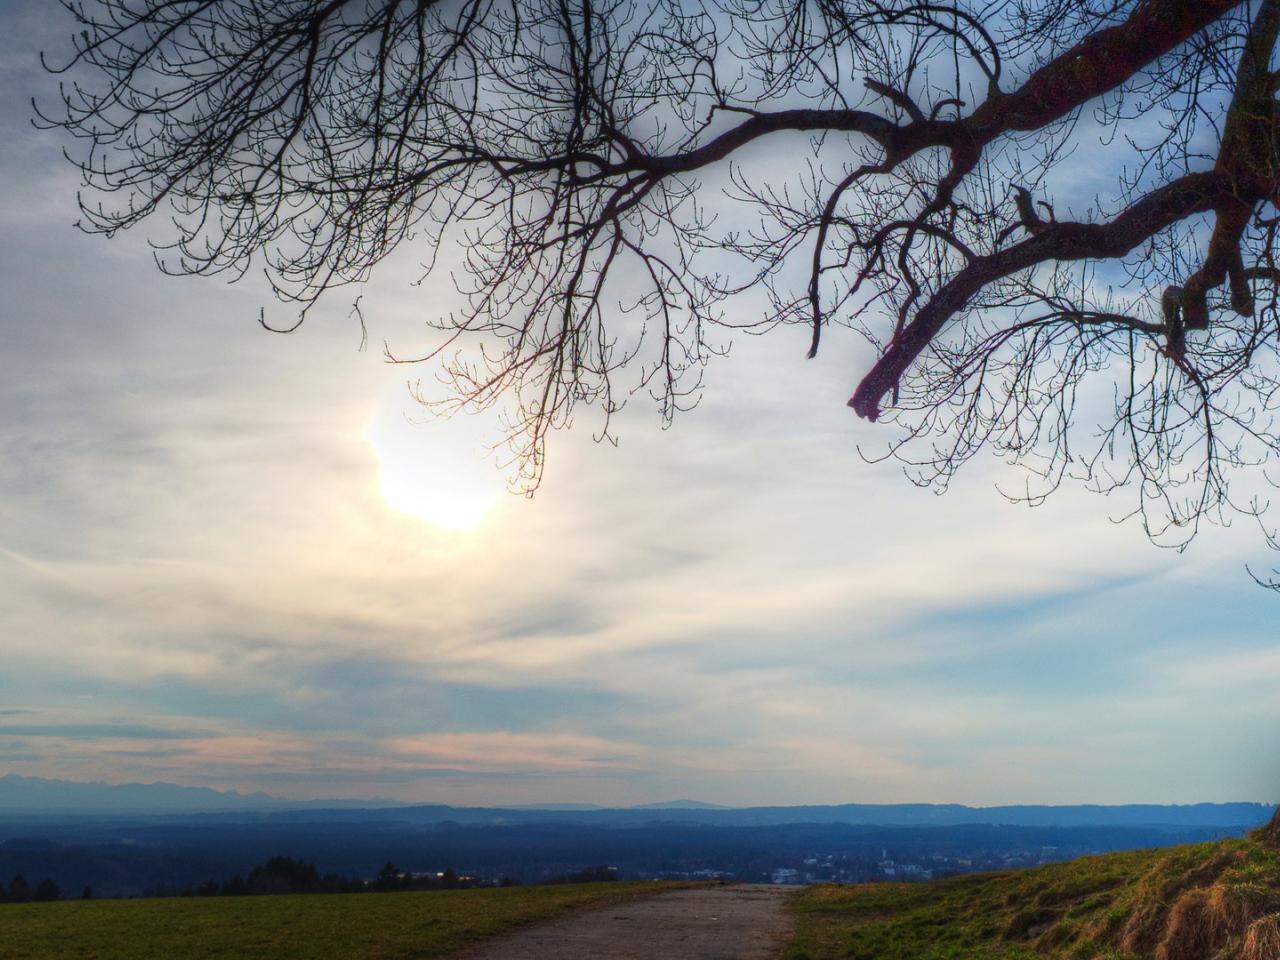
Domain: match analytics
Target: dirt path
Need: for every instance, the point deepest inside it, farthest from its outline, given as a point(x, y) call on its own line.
point(747, 922)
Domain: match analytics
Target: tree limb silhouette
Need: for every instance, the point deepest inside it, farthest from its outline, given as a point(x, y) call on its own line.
point(890, 166)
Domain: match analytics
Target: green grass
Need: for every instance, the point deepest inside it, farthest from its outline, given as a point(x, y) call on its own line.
point(372, 926)
point(1217, 900)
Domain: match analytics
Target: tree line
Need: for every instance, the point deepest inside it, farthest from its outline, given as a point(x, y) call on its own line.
point(287, 875)
point(20, 891)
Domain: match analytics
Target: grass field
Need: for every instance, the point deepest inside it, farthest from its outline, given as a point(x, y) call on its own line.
point(1219, 900)
point(370, 926)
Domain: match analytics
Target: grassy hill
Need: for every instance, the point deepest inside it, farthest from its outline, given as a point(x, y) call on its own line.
point(1213, 901)
point(366, 926)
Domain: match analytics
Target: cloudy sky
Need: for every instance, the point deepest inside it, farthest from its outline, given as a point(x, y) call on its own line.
point(231, 558)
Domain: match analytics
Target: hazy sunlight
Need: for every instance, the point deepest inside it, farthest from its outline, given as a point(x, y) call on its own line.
point(438, 472)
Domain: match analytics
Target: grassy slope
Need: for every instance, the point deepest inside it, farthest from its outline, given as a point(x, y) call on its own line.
point(1216, 901)
point(374, 926)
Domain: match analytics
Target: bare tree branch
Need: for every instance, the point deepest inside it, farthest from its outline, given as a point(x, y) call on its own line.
point(564, 146)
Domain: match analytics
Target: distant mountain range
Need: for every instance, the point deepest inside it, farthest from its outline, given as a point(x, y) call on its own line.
point(33, 797)
point(679, 805)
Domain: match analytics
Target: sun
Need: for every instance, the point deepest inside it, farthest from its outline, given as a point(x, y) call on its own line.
point(438, 472)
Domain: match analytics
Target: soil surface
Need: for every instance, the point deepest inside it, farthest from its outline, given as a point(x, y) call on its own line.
point(744, 922)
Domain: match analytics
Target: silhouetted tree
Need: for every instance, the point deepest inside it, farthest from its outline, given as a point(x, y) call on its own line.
point(283, 875)
point(235, 887)
point(19, 889)
point(389, 877)
point(47, 890)
point(891, 166)
point(597, 874)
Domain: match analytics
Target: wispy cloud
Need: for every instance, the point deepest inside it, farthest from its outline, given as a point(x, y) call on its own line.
point(200, 582)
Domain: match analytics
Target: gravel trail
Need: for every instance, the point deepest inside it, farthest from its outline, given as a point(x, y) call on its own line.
point(742, 922)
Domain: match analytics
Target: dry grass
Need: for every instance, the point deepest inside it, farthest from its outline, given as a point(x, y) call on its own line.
point(1262, 941)
point(1270, 834)
point(1217, 901)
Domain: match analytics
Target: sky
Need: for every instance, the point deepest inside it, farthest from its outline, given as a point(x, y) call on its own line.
point(244, 560)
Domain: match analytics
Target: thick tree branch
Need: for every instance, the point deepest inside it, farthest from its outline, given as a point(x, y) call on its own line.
point(1059, 241)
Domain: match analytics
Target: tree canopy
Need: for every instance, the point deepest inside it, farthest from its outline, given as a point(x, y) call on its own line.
point(1055, 220)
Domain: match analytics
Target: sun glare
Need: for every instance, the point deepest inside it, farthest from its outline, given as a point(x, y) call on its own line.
point(438, 472)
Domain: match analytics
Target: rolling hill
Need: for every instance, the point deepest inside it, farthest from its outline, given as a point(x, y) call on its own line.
point(1213, 901)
